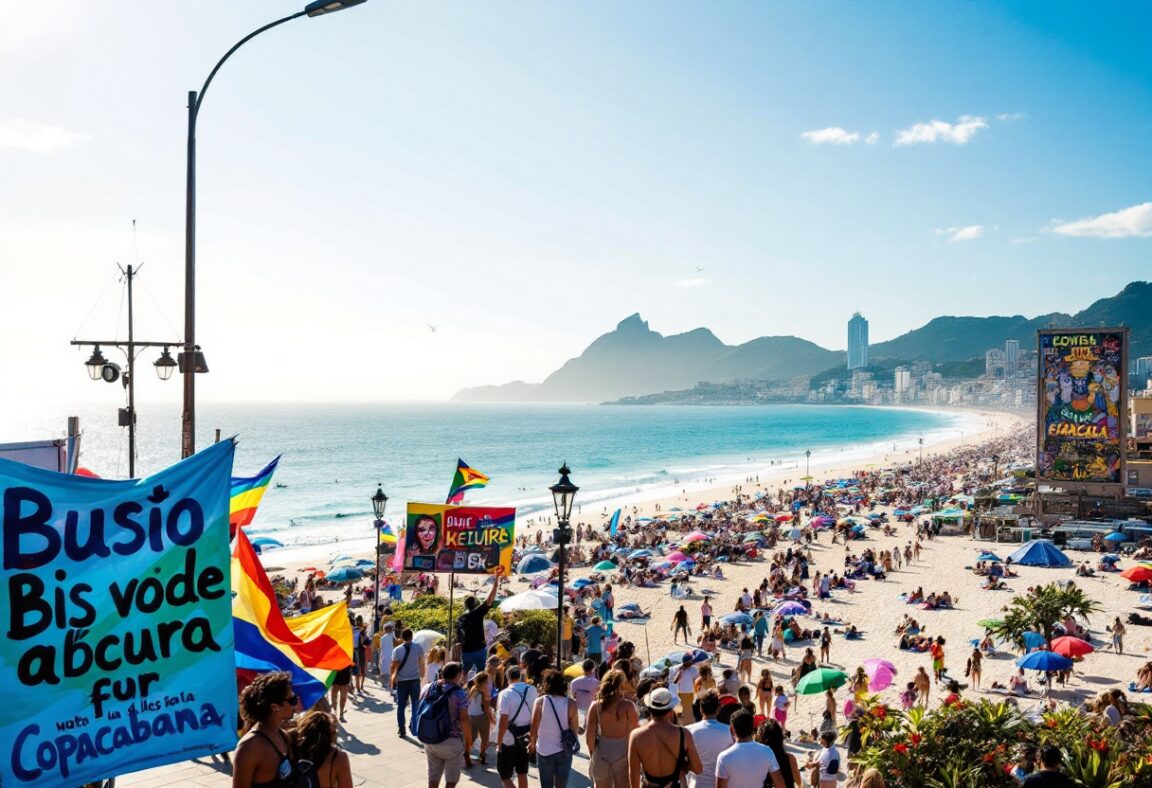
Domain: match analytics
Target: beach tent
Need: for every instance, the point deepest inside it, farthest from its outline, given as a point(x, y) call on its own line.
point(530, 564)
point(605, 566)
point(1040, 552)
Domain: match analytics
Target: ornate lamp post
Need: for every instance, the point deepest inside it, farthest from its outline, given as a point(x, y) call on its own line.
point(808, 467)
point(563, 494)
point(921, 450)
point(379, 503)
point(191, 359)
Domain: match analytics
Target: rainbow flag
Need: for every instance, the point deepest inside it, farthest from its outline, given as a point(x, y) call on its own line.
point(311, 647)
point(386, 534)
point(247, 492)
point(466, 478)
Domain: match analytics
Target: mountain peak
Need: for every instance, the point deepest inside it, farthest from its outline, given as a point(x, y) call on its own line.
point(633, 323)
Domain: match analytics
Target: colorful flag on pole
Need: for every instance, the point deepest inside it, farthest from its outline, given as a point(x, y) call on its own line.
point(466, 478)
point(614, 524)
point(387, 535)
point(311, 647)
point(247, 492)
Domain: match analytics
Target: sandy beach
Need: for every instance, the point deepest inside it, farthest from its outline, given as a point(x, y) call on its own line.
point(874, 607)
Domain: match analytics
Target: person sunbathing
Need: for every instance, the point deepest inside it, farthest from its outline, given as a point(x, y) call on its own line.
point(915, 596)
point(1144, 678)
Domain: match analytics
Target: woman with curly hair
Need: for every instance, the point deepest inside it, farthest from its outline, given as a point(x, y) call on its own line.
point(317, 755)
point(264, 755)
point(611, 719)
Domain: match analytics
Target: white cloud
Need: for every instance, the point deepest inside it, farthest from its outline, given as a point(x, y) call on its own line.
point(1134, 222)
point(833, 135)
point(873, 138)
point(37, 137)
point(957, 133)
point(691, 282)
point(969, 233)
point(1008, 116)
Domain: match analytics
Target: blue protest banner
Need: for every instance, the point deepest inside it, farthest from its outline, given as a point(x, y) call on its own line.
point(116, 610)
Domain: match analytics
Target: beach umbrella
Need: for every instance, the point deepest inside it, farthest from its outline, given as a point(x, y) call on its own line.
point(1040, 552)
point(605, 566)
point(739, 619)
point(696, 536)
point(1043, 660)
point(1069, 646)
point(782, 517)
point(426, 638)
point(677, 556)
point(1033, 640)
point(581, 583)
point(530, 600)
point(986, 556)
point(754, 539)
point(531, 564)
point(989, 623)
point(1137, 574)
point(791, 609)
point(819, 680)
point(266, 542)
point(880, 673)
point(619, 550)
point(345, 574)
point(632, 556)
point(1115, 536)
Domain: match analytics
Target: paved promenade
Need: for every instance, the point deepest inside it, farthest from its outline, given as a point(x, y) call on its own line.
point(379, 758)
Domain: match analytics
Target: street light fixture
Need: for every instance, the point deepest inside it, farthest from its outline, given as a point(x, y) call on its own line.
point(808, 466)
point(165, 365)
point(95, 363)
point(192, 361)
point(563, 494)
point(379, 503)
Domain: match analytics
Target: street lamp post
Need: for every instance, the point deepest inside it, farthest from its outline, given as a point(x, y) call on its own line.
point(921, 450)
point(191, 359)
point(995, 467)
point(807, 466)
point(379, 503)
point(563, 494)
point(99, 368)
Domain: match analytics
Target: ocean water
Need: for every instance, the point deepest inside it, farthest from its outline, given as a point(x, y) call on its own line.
point(335, 455)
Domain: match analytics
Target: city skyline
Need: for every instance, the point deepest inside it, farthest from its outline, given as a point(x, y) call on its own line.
point(520, 178)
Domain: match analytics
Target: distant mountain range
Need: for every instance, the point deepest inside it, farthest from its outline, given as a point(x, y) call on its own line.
point(633, 360)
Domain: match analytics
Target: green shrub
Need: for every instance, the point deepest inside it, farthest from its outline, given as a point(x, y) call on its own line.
point(533, 626)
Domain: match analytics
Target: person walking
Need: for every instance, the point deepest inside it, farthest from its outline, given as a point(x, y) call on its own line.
point(480, 717)
point(384, 654)
point(1118, 632)
point(407, 668)
point(470, 629)
point(825, 646)
point(360, 656)
point(553, 714)
point(264, 754)
point(514, 707)
point(316, 753)
point(611, 718)
point(747, 764)
point(972, 670)
point(661, 751)
point(937, 652)
point(446, 758)
point(711, 738)
point(680, 624)
point(594, 640)
point(682, 681)
point(771, 735)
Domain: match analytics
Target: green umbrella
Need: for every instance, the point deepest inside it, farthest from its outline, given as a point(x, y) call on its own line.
point(990, 623)
point(605, 566)
point(819, 680)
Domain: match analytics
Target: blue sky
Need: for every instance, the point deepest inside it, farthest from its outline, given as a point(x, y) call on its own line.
point(524, 175)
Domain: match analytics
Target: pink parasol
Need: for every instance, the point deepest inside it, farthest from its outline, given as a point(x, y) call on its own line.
point(676, 556)
point(880, 673)
point(696, 536)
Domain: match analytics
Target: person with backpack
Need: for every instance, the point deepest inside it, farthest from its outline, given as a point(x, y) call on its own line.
point(441, 725)
point(319, 761)
point(554, 735)
point(514, 707)
point(407, 668)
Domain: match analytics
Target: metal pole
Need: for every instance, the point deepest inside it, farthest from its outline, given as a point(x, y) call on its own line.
point(376, 592)
point(188, 419)
point(451, 600)
point(131, 384)
point(563, 531)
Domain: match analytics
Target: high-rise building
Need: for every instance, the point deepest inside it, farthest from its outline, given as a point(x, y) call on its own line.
point(1011, 357)
point(857, 342)
point(993, 362)
point(902, 380)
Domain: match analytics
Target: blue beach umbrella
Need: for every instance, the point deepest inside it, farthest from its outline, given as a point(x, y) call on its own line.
point(345, 574)
point(986, 556)
point(581, 583)
point(739, 619)
point(791, 609)
point(632, 556)
point(1043, 660)
point(1115, 536)
point(530, 564)
point(1033, 640)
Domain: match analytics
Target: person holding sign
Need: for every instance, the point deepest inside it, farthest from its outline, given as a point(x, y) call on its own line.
point(264, 755)
point(470, 628)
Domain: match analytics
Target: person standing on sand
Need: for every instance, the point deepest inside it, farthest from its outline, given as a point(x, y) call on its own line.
point(680, 624)
point(1118, 632)
point(937, 652)
point(264, 755)
point(682, 681)
point(923, 685)
point(972, 670)
point(705, 614)
point(660, 752)
point(825, 645)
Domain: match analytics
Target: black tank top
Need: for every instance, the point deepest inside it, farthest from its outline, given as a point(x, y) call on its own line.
point(285, 771)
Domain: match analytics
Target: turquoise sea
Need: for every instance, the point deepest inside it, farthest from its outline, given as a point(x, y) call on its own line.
point(334, 455)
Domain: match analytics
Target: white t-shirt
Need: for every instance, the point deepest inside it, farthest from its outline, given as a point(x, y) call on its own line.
point(746, 764)
point(829, 766)
point(508, 701)
point(490, 631)
point(687, 677)
point(711, 739)
point(583, 691)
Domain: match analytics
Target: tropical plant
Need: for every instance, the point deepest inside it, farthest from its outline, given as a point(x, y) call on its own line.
point(1042, 609)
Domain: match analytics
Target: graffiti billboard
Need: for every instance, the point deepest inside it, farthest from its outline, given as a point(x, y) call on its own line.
point(461, 539)
point(1082, 400)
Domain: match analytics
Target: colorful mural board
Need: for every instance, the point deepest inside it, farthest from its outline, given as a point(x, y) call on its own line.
point(461, 539)
point(1082, 401)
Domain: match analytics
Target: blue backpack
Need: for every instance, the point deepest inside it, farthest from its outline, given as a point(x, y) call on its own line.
point(432, 723)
